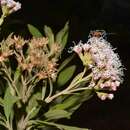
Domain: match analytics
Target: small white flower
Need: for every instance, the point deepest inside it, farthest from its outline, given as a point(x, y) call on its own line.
point(107, 84)
point(110, 96)
point(86, 47)
point(101, 85)
point(77, 49)
point(11, 4)
point(103, 97)
point(17, 6)
point(3, 2)
point(113, 78)
point(106, 74)
point(113, 86)
point(117, 83)
point(100, 65)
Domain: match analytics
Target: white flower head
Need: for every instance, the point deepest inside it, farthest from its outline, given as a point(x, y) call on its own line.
point(11, 5)
point(105, 59)
point(106, 64)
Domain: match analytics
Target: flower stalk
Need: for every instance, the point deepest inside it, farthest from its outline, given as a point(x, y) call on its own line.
point(73, 87)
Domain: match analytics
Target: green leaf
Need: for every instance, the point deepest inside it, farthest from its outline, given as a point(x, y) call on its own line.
point(77, 78)
point(65, 62)
point(57, 114)
point(33, 103)
point(65, 127)
point(9, 101)
point(65, 75)
point(47, 127)
point(82, 97)
point(61, 127)
point(2, 120)
point(2, 123)
point(69, 102)
point(72, 103)
point(49, 34)
point(17, 75)
point(64, 40)
point(62, 35)
point(34, 31)
point(2, 117)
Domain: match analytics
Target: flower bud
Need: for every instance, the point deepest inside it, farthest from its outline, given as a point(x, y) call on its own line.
point(110, 96)
point(77, 49)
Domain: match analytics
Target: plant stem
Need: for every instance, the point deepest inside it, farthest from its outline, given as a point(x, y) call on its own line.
point(2, 19)
point(11, 80)
point(9, 127)
point(69, 89)
point(51, 89)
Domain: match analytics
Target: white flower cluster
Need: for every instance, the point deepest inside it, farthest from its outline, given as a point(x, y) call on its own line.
point(104, 63)
point(11, 5)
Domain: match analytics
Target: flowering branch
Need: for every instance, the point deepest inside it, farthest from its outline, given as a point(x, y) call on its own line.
point(98, 55)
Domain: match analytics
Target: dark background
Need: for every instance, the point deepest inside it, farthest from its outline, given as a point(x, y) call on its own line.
point(85, 15)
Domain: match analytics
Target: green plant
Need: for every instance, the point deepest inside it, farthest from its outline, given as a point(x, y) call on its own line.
point(37, 89)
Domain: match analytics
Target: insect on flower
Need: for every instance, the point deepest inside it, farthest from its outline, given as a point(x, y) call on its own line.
point(98, 34)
